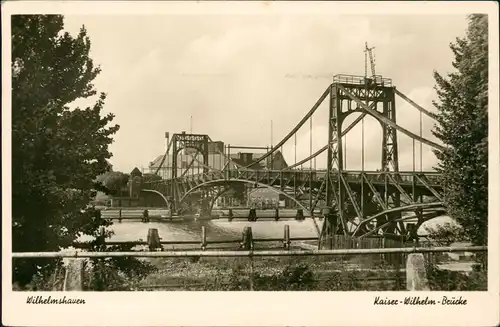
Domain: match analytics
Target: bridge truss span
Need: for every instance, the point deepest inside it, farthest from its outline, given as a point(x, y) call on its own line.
point(359, 202)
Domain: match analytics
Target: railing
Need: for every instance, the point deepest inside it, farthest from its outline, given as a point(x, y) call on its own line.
point(361, 80)
point(391, 256)
point(433, 176)
point(146, 215)
point(416, 268)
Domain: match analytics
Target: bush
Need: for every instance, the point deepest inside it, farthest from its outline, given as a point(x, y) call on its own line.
point(295, 277)
point(445, 280)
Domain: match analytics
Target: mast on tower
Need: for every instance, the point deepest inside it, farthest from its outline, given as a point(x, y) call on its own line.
point(369, 53)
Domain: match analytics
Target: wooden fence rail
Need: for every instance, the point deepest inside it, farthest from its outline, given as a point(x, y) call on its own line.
point(155, 242)
point(259, 240)
point(416, 279)
point(246, 253)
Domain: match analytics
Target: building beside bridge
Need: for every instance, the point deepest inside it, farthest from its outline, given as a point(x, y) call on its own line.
point(217, 159)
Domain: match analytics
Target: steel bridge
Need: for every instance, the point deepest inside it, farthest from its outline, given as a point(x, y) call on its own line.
point(358, 203)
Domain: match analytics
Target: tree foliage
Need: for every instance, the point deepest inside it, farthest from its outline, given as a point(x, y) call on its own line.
point(236, 191)
point(57, 151)
point(447, 234)
point(114, 181)
point(463, 128)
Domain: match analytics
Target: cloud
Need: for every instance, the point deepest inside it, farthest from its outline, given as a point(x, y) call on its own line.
point(234, 74)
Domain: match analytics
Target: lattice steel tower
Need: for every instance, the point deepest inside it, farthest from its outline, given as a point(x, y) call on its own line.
point(374, 96)
point(198, 142)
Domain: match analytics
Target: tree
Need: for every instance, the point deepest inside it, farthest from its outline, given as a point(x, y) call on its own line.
point(447, 234)
point(114, 181)
point(462, 125)
point(57, 151)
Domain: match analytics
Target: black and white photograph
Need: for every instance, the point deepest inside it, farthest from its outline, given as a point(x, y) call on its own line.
point(250, 152)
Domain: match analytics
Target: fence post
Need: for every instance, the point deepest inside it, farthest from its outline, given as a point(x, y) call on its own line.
point(73, 278)
point(286, 238)
point(247, 244)
point(252, 216)
point(247, 239)
point(203, 238)
point(154, 239)
point(101, 238)
point(416, 278)
point(251, 277)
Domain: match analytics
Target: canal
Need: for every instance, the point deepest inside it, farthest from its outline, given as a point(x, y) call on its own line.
point(222, 229)
point(216, 230)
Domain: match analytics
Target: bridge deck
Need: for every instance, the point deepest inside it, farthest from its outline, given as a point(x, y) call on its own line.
point(406, 178)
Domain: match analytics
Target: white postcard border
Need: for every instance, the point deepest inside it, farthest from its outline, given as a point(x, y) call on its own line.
point(247, 308)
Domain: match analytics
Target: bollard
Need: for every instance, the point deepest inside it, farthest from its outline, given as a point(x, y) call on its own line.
point(276, 214)
point(286, 238)
point(230, 215)
point(100, 239)
point(247, 239)
point(203, 238)
point(252, 215)
point(300, 214)
point(416, 277)
point(73, 278)
point(154, 239)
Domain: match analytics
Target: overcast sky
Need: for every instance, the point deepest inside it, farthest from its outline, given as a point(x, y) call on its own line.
point(231, 74)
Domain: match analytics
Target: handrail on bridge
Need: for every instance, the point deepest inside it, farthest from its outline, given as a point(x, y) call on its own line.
point(361, 80)
point(307, 171)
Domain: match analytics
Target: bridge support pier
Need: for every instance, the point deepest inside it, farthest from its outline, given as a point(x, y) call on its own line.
point(145, 216)
point(300, 214)
point(154, 240)
point(205, 209)
point(247, 239)
point(286, 238)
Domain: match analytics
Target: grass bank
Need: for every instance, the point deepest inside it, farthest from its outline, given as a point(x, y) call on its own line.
point(326, 273)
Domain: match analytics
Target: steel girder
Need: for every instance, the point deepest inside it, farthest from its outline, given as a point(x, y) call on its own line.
point(369, 196)
point(199, 142)
point(348, 201)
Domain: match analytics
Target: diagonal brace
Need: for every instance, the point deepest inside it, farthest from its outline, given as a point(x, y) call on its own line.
point(389, 122)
